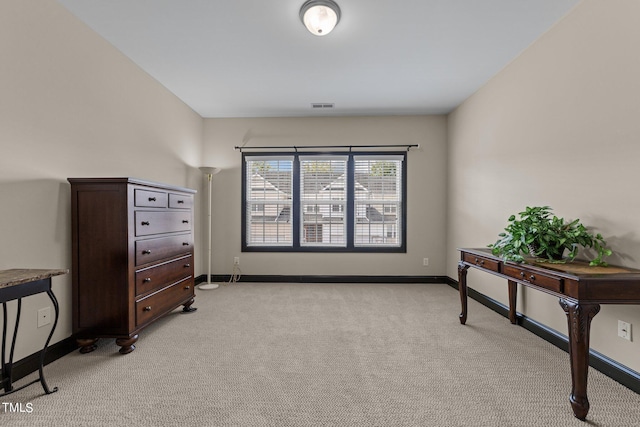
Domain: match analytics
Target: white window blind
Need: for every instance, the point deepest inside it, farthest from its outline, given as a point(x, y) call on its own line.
point(269, 190)
point(323, 200)
point(378, 201)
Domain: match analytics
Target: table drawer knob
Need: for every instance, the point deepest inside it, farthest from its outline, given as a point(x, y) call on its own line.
point(479, 261)
point(532, 277)
point(144, 223)
point(146, 279)
point(522, 274)
point(147, 308)
point(146, 252)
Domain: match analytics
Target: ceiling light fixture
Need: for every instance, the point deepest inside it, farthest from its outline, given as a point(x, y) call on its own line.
point(320, 16)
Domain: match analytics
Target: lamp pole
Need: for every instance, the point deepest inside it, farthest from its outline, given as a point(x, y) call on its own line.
point(209, 172)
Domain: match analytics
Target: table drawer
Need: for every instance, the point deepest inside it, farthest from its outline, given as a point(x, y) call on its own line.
point(163, 301)
point(148, 223)
point(180, 201)
point(533, 277)
point(151, 250)
point(482, 262)
point(164, 274)
point(147, 198)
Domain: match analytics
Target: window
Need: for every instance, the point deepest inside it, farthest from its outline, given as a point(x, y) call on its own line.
point(353, 202)
point(268, 185)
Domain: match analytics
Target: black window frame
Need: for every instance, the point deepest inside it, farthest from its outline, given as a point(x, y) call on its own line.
point(349, 216)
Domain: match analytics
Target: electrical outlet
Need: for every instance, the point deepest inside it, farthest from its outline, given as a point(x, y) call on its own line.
point(236, 260)
point(44, 316)
point(624, 330)
point(425, 261)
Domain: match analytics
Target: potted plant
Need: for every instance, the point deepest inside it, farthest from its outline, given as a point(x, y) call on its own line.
point(542, 235)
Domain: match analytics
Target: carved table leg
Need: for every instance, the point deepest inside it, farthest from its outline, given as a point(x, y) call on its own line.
point(513, 294)
point(87, 345)
point(127, 344)
point(579, 322)
point(462, 287)
point(187, 306)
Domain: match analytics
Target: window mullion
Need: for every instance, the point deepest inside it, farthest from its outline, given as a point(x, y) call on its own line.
point(350, 216)
point(296, 214)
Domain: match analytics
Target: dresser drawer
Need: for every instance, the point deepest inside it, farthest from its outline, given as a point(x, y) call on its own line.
point(533, 277)
point(151, 250)
point(163, 301)
point(180, 201)
point(147, 198)
point(164, 274)
point(482, 262)
point(148, 223)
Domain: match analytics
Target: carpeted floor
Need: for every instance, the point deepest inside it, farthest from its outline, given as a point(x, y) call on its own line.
point(274, 354)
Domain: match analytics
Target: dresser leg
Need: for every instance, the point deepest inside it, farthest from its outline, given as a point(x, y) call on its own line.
point(87, 345)
point(187, 306)
point(579, 324)
point(127, 344)
point(462, 287)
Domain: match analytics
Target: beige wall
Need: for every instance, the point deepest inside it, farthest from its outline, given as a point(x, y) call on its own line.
point(426, 191)
point(559, 126)
point(73, 106)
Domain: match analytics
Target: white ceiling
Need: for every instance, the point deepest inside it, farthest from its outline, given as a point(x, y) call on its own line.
point(254, 58)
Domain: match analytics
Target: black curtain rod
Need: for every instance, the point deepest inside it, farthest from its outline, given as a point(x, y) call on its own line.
point(305, 147)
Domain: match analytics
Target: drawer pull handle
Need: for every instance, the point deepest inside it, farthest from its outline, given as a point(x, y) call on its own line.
point(146, 252)
point(147, 279)
point(144, 223)
point(532, 277)
point(147, 308)
point(479, 261)
point(185, 243)
point(522, 274)
point(152, 199)
point(187, 287)
point(180, 202)
point(184, 221)
point(187, 265)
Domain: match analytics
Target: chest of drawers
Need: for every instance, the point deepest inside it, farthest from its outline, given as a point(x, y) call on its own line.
point(132, 257)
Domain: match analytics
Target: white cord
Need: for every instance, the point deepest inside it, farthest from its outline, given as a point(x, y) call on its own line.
point(237, 273)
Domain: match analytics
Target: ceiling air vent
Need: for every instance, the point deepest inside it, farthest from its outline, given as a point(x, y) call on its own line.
point(321, 105)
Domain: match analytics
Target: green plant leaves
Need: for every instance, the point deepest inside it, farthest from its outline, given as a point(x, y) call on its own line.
point(539, 233)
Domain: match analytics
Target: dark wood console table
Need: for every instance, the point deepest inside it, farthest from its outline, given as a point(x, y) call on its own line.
point(580, 289)
point(14, 285)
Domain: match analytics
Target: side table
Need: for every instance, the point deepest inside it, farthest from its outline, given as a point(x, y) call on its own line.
point(16, 284)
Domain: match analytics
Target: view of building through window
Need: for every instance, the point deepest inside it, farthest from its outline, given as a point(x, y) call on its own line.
point(308, 201)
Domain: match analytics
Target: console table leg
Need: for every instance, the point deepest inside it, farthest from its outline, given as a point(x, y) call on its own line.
point(462, 287)
point(513, 294)
point(579, 323)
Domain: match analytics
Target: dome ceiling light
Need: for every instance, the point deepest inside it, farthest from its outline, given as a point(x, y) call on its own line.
point(320, 16)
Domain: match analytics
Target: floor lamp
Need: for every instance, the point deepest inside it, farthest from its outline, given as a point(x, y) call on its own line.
point(209, 172)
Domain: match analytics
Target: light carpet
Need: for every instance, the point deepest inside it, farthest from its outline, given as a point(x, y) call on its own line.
point(274, 354)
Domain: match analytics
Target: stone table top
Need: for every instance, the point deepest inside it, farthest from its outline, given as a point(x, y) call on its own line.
point(18, 276)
